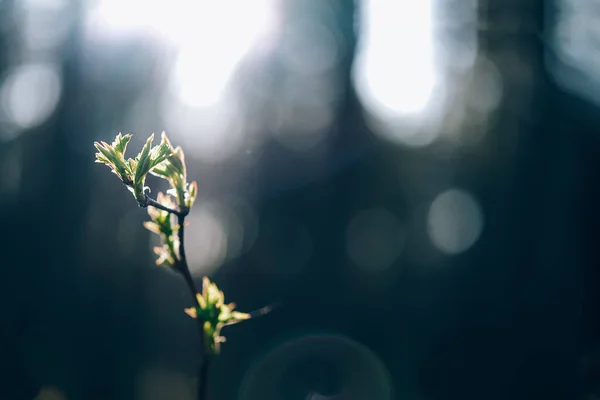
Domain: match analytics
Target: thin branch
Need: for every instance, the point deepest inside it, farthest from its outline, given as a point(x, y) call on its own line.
point(265, 310)
point(182, 267)
point(257, 313)
point(202, 389)
point(149, 201)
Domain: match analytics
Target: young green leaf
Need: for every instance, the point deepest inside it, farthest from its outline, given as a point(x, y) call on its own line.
point(132, 164)
point(173, 169)
point(215, 314)
point(192, 192)
point(113, 155)
point(148, 159)
point(162, 224)
point(141, 170)
point(165, 256)
point(120, 143)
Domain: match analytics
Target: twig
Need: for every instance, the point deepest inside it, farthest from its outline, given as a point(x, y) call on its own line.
point(185, 271)
point(257, 313)
point(149, 201)
point(182, 267)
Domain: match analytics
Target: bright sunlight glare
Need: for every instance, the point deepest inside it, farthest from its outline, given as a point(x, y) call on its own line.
point(180, 20)
point(394, 73)
point(211, 37)
point(221, 38)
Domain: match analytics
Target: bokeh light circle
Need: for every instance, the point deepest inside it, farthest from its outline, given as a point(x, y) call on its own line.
point(50, 393)
point(30, 94)
point(454, 221)
point(206, 240)
point(318, 366)
point(486, 87)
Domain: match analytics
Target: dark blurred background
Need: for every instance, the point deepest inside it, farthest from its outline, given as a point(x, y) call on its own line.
point(416, 180)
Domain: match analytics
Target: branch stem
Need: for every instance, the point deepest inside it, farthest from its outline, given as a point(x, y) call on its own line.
point(182, 267)
point(151, 202)
point(185, 271)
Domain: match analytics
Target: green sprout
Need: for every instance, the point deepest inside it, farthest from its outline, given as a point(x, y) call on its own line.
point(167, 219)
point(133, 172)
point(174, 171)
point(215, 314)
point(162, 225)
point(113, 155)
